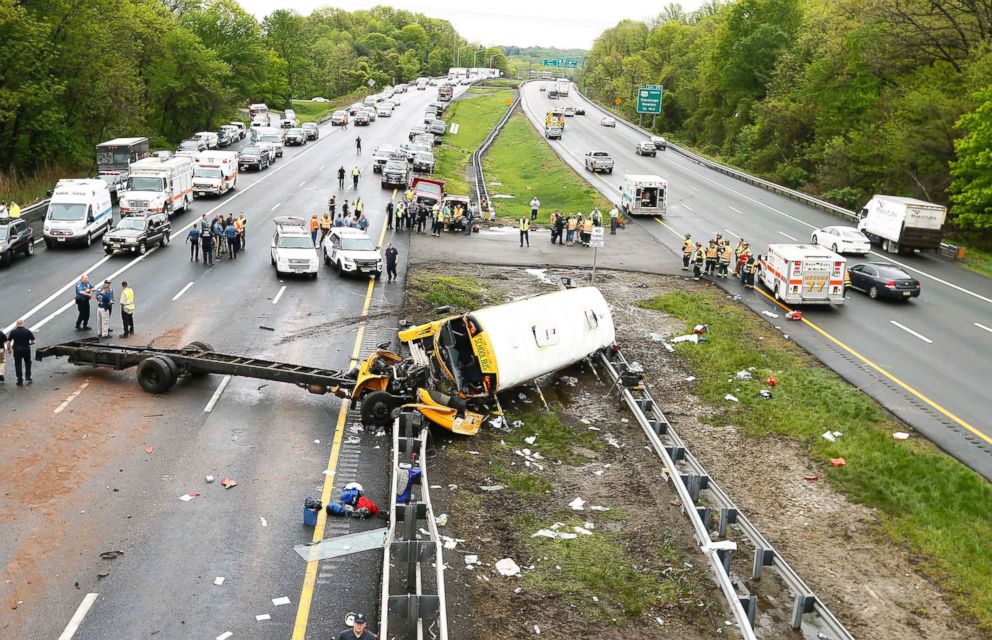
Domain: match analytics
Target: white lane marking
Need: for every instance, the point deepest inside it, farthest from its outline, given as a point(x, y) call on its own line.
point(732, 233)
point(62, 290)
point(50, 316)
point(932, 277)
point(77, 618)
point(782, 233)
point(282, 289)
point(39, 240)
point(908, 330)
point(72, 396)
point(692, 187)
point(220, 389)
point(687, 207)
point(735, 210)
point(182, 291)
point(322, 167)
point(99, 262)
point(275, 206)
point(303, 183)
point(982, 326)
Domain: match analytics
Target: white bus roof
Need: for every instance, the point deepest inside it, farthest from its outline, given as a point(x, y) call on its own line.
point(120, 142)
point(804, 252)
point(646, 180)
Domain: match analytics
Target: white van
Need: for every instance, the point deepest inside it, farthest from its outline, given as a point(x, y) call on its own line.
point(216, 172)
point(157, 185)
point(79, 210)
point(803, 274)
point(644, 195)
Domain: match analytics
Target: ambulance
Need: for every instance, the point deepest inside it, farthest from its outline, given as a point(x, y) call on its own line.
point(803, 274)
point(215, 173)
point(158, 185)
point(644, 195)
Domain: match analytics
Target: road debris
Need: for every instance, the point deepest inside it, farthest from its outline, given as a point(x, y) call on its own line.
point(219, 580)
point(507, 567)
point(111, 555)
point(900, 435)
point(265, 522)
point(280, 601)
point(769, 314)
point(765, 393)
point(263, 616)
point(719, 545)
point(492, 487)
point(228, 483)
point(186, 497)
point(209, 479)
point(794, 315)
point(731, 397)
point(578, 504)
point(441, 520)
point(597, 507)
point(537, 629)
point(831, 436)
point(692, 337)
point(530, 439)
point(266, 327)
point(225, 635)
point(149, 449)
point(838, 462)
point(743, 375)
point(471, 559)
point(582, 530)
point(103, 574)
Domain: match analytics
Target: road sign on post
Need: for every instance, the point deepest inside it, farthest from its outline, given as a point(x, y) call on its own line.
point(596, 240)
point(649, 99)
point(618, 102)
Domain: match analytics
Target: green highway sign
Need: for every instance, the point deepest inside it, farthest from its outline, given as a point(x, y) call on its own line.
point(563, 63)
point(649, 99)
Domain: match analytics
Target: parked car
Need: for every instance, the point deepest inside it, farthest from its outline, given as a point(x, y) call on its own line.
point(135, 234)
point(193, 144)
point(15, 237)
point(884, 280)
point(209, 137)
point(416, 131)
point(312, 130)
point(423, 161)
point(319, 99)
point(645, 148)
point(659, 142)
point(292, 249)
point(842, 240)
point(350, 250)
point(269, 147)
point(240, 126)
point(296, 136)
point(254, 157)
point(340, 118)
point(607, 121)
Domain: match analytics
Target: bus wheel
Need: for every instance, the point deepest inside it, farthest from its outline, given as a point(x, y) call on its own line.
point(377, 408)
point(157, 374)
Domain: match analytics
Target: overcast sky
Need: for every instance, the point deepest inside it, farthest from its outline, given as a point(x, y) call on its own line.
point(506, 22)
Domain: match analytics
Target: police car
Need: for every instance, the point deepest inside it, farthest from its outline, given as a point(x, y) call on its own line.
point(292, 250)
point(350, 250)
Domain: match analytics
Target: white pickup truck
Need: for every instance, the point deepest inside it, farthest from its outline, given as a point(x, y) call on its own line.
point(599, 161)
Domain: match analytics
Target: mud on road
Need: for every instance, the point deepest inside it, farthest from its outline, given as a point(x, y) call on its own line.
point(590, 448)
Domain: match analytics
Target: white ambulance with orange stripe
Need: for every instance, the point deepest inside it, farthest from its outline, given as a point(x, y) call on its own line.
point(157, 185)
point(803, 274)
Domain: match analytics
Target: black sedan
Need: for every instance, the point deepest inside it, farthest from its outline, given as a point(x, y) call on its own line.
point(883, 280)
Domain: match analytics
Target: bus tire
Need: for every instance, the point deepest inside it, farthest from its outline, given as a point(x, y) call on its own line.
point(157, 374)
point(377, 409)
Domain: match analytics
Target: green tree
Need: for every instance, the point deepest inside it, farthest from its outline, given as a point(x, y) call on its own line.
point(971, 189)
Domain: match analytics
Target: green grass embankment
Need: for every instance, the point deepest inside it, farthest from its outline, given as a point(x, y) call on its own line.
point(925, 498)
point(476, 113)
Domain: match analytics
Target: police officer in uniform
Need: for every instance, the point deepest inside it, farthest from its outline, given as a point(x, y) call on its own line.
point(524, 231)
point(686, 252)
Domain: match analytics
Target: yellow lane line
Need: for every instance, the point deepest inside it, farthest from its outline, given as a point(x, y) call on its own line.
point(310, 576)
point(865, 360)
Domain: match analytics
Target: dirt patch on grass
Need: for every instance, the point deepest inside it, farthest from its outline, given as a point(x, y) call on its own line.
point(842, 550)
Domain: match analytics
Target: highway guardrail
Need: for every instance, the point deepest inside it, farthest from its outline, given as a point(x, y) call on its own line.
point(705, 504)
point(481, 192)
point(413, 599)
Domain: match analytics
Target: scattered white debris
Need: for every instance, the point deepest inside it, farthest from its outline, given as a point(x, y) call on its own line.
point(720, 545)
point(317, 441)
point(441, 520)
point(829, 436)
point(900, 435)
point(690, 379)
point(537, 629)
point(668, 347)
point(769, 314)
point(731, 397)
point(569, 380)
point(280, 601)
point(596, 507)
point(582, 530)
point(545, 533)
point(263, 616)
point(356, 428)
point(612, 441)
point(692, 337)
point(219, 580)
point(498, 423)
point(516, 424)
point(567, 536)
point(656, 338)
point(659, 620)
point(328, 472)
point(530, 439)
point(595, 599)
point(492, 487)
point(743, 375)
point(590, 525)
point(209, 479)
point(507, 567)
point(475, 453)
point(186, 497)
point(593, 428)
point(471, 560)
point(578, 504)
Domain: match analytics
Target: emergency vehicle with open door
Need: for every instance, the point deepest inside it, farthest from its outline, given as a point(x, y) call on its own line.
point(803, 274)
point(644, 195)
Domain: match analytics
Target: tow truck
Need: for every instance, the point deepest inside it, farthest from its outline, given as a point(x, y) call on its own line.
point(455, 365)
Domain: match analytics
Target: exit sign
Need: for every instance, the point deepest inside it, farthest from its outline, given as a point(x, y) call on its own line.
point(649, 99)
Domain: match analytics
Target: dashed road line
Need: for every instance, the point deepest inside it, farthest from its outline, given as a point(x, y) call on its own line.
point(732, 233)
point(275, 206)
point(686, 207)
point(735, 210)
point(692, 187)
point(214, 398)
point(182, 291)
point(77, 618)
point(782, 233)
point(282, 290)
point(908, 330)
point(72, 396)
point(303, 183)
point(982, 326)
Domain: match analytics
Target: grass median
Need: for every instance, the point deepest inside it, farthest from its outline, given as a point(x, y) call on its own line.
point(924, 497)
point(522, 165)
point(310, 111)
point(475, 113)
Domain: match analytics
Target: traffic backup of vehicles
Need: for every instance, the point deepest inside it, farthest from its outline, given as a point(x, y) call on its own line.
point(599, 161)
point(396, 172)
point(273, 136)
point(351, 251)
point(215, 172)
point(554, 124)
point(15, 237)
point(339, 119)
point(902, 225)
point(457, 364)
point(311, 130)
point(296, 137)
point(114, 158)
point(427, 191)
point(78, 211)
point(884, 280)
point(381, 156)
point(644, 195)
point(803, 274)
point(254, 157)
point(423, 161)
point(158, 186)
point(136, 234)
point(445, 93)
point(292, 250)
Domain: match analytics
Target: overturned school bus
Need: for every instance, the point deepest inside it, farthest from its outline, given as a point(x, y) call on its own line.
point(454, 365)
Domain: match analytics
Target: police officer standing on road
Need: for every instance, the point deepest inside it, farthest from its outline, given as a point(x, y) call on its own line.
point(391, 255)
point(104, 305)
point(686, 252)
point(614, 220)
point(127, 310)
point(389, 214)
point(524, 231)
point(358, 630)
point(358, 144)
point(208, 247)
point(3, 355)
point(193, 238)
point(354, 177)
point(83, 294)
point(341, 177)
point(19, 342)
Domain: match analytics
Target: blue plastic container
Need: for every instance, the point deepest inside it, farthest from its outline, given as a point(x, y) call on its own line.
point(309, 517)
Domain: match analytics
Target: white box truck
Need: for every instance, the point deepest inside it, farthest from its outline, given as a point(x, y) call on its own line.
point(902, 225)
point(215, 172)
point(78, 211)
point(562, 85)
point(803, 274)
point(644, 195)
point(157, 185)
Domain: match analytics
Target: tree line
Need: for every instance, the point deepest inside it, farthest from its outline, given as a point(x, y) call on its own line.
point(839, 98)
point(76, 72)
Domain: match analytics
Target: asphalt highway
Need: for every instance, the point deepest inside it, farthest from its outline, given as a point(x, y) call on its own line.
point(93, 464)
point(927, 360)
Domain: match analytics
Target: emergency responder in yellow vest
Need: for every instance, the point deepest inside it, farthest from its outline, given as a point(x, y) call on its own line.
point(524, 231)
point(711, 257)
point(737, 254)
point(742, 260)
point(726, 255)
point(749, 268)
point(697, 261)
point(325, 226)
point(686, 252)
